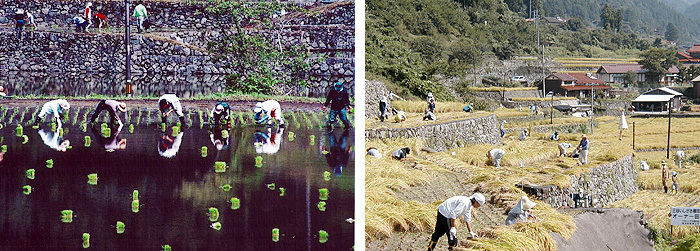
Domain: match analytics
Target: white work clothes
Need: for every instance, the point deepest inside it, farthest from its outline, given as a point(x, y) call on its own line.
point(400, 116)
point(270, 144)
point(175, 102)
point(517, 213)
point(523, 136)
point(53, 107)
point(52, 140)
point(680, 155)
point(563, 147)
point(374, 152)
point(270, 109)
point(644, 166)
point(496, 156)
point(456, 207)
point(172, 150)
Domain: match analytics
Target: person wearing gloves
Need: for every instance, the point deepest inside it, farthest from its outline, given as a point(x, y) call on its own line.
point(495, 156)
point(401, 153)
point(678, 158)
point(448, 212)
point(268, 112)
point(583, 150)
point(521, 211)
point(170, 103)
point(220, 114)
point(563, 147)
point(339, 101)
point(112, 107)
point(55, 108)
point(554, 136)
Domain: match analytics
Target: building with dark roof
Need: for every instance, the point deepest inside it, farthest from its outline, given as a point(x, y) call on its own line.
point(574, 84)
point(614, 73)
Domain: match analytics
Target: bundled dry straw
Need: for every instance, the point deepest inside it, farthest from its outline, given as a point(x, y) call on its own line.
point(385, 213)
point(656, 206)
point(415, 106)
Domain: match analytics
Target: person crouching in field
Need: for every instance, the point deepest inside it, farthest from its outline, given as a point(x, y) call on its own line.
point(453, 208)
point(170, 103)
point(268, 112)
point(521, 211)
point(55, 108)
point(112, 107)
point(495, 156)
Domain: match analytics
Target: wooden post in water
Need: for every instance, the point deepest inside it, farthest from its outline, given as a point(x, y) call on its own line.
point(127, 42)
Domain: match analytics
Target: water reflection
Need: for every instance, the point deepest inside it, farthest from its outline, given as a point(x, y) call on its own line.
point(338, 151)
point(167, 145)
point(111, 140)
point(216, 135)
point(267, 142)
point(54, 139)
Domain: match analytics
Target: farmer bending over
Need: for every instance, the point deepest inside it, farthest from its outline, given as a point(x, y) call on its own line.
point(521, 211)
point(220, 114)
point(448, 212)
point(268, 112)
point(112, 106)
point(55, 108)
point(495, 155)
point(339, 101)
point(170, 103)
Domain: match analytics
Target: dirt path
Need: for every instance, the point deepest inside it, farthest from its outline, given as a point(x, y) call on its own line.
point(153, 103)
point(607, 229)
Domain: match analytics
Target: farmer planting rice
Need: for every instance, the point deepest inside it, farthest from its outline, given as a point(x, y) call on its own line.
point(220, 114)
point(112, 107)
point(453, 208)
point(170, 103)
point(268, 112)
point(339, 101)
point(55, 108)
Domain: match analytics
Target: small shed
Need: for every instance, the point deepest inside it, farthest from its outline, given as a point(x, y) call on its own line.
point(656, 101)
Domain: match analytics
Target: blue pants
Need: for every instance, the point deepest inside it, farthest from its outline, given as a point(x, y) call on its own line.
point(343, 117)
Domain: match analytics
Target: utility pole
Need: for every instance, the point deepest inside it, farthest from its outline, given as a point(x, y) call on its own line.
point(544, 77)
point(668, 139)
point(537, 25)
point(127, 43)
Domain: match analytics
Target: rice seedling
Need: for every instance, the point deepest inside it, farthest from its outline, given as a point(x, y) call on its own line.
point(66, 216)
point(138, 118)
point(282, 191)
point(92, 179)
point(326, 175)
point(120, 227)
point(322, 236)
point(323, 194)
point(235, 203)
point(135, 206)
point(27, 189)
point(22, 114)
point(307, 120)
point(74, 121)
point(213, 214)
point(148, 117)
point(86, 240)
point(275, 234)
point(321, 206)
point(296, 122)
point(166, 247)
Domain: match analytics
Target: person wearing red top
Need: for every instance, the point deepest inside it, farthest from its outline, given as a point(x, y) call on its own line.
point(101, 20)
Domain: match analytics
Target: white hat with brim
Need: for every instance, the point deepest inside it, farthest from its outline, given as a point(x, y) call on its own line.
point(479, 198)
point(527, 203)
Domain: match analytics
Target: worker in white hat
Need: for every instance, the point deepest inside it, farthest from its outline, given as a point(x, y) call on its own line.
point(674, 178)
point(521, 211)
point(219, 115)
point(678, 158)
point(453, 208)
point(583, 150)
point(54, 108)
point(112, 107)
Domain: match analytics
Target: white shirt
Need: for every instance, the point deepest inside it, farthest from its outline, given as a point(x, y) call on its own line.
point(53, 107)
point(172, 151)
point(172, 99)
point(456, 207)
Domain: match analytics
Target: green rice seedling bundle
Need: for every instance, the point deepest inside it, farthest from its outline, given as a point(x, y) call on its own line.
point(326, 175)
point(27, 189)
point(312, 140)
point(25, 139)
point(258, 161)
point(275, 234)
point(163, 127)
point(321, 206)
point(323, 194)
point(235, 203)
point(291, 136)
point(219, 166)
point(49, 163)
point(213, 214)
point(322, 236)
point(88, 141)
point(226, 187)
point(224, 134)
point(135, 206)
point(216, 226)
point(66, 216)
point(131, 128)
point(166, 247)
point(30, 174)
point(20, 130)
point(92, 179)
point(282, 191)
point(106, 132)
point(3, 148)
point(271, 186)
point(86, 240)
point(204, 151)
point(120, 227)
point(176, 131)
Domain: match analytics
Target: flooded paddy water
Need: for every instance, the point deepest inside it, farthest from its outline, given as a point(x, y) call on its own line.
point(269, 196)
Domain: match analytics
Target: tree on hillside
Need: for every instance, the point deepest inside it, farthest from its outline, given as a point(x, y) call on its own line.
point(686, 74)
point(611, 18)
point(671, 32)
point(630, 78)
point(657, 62)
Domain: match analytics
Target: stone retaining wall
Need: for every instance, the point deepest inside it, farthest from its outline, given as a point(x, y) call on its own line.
point(447, 135)
point(599, 187)
point(566, 128)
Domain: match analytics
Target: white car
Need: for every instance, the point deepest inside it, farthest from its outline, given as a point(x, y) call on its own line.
point(519, 79)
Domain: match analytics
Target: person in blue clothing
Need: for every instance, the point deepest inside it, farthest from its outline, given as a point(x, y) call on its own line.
point(469, 108)
point(20, 18)
point(339, 101)
point(583, 150)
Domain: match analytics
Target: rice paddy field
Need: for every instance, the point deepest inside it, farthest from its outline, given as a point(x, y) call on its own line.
point(593, 62)
point(402, 196)
point(145, 186)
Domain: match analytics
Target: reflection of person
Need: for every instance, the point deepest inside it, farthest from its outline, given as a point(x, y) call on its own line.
point(112, 107)
point(338, 152)
point(55, 108)
point(220, 114)
point(339, 101)
point(167, 146)
point(111, 142)
point(170, 103)
point(216, 137)
point(521, 211)
point(53, 140)
point(269, 142)
point(268, 112)
point(453, 208)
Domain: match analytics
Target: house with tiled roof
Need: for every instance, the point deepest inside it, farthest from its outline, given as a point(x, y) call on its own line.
point(657, 100)
point(574, 84)
point(614, 73)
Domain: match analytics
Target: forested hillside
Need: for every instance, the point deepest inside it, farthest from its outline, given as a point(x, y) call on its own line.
point(410, 42)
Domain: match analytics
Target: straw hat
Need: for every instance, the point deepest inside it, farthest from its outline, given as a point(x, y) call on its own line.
point(121, 106)
point(527, 203)
point(584, 136)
